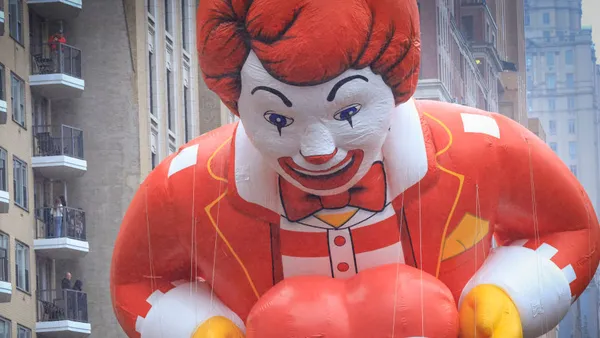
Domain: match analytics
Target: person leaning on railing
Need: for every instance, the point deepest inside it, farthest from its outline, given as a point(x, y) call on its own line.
point(54, 41)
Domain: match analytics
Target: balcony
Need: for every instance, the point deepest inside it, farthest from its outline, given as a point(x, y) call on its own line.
point(56, 71)
point(5, 286)
point(4, 199)
point(56, 9)
point(62, 314)
point(58, 152)
point(60, 233)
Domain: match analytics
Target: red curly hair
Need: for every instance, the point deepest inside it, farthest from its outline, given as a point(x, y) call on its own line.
point(308, 42)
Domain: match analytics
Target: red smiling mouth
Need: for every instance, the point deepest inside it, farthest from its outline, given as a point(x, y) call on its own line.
point(326, 179)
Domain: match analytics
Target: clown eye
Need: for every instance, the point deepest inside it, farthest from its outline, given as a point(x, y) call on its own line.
point(278, 120)
point(346, 114)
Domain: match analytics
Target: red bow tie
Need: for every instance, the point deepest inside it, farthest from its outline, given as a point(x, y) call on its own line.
point(368, 194)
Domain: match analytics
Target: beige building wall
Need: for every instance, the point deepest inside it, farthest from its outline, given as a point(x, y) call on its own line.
point(16, 140)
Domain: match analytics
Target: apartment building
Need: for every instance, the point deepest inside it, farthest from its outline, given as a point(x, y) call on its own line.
point(563, 91)
point(473, 53)
point(93, 95)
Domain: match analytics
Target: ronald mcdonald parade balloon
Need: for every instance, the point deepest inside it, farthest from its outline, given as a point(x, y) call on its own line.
point(341, 207)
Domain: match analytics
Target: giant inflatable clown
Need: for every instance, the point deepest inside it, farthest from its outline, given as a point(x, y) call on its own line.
point(340, 207)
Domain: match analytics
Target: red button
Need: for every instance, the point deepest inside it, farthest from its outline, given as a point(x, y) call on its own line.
point(339, 241)
point(343, 267)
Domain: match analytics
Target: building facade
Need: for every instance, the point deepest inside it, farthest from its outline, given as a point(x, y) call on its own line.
point(93, 95)
point(563, 91)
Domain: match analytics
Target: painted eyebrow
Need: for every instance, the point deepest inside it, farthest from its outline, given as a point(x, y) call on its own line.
point(283, 98)
point(342, 82)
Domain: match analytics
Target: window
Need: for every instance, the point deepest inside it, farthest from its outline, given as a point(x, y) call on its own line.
point(151, 6)
point(154, 160)
point(527, 20)
point(551, 104)
point(546, 18)
point(17, 99)
point(15, 20)
point(4, 265)
point(168, 16)
point(571, 104)
point(467, 26)
point(170, 112)
point(550, 59)
point(573, 150)
point(554, 146)
point(186, 113)
point(529, 106)
point(20, 183)
point(151, 77)
point(23, 332)
point(572, 126)
point(529, 60)
point(570, 80)
point(551, 80)
point(552, 125)
point(547, 35)
point(573, 169)
point(22, 262)
point(185, 25)
point(2, 91)
point(569, 57)
point(3, 170)
point(5, 328)
point(529, 82)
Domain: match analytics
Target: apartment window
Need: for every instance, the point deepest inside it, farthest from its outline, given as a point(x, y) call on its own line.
point(527, 20)
point(170, 112)
point(15, 20)
point(570, 80)
point(552, 125)
point(20, 183)
point(154, 160)
point(185, 24)
point(2, 91)
point(554, 146)
point(573, 150)
point(3, 170)
point(23, 332)
point(546, 35)
point(151, 6)
point(186, 113)
point(168, 16)
point(551, 104)
point(467, 26)
point(5, 328)
point(4, 265)
point(551, 81)
point(571, 104)
point(529, 82)
point(572, 126)
point(22, 268)
point(151, 77)
point(529, 61)
point(573, 169)
point(546, 18)
point(550, 59)
point(529, 106)
point(569, 57)
point(17, 99)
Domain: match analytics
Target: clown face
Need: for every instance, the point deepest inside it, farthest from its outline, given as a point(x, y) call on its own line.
point(322, 138)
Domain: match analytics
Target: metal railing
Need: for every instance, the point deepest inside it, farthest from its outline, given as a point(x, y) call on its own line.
point(60, 222)
point(65, 304)
point(56, 58)
point(4, 266)
point(57, 140)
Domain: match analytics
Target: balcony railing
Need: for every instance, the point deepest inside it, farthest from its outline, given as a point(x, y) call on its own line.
point(60, 222)
point(4, 266)
point(57, 305)
point(56, 58)
point(57, 141)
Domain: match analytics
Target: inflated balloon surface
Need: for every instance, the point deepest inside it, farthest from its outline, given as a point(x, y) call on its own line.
point(339, 206)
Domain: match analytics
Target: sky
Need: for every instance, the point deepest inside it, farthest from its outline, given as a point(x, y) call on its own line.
point(591, 13)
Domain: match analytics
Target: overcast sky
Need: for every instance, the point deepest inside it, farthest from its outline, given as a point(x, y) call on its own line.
point(591, 13)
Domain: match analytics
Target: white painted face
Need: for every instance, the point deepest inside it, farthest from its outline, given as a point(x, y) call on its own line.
point(322, 138)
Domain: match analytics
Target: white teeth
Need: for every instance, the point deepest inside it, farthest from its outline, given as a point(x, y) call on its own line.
point(154, 297)
point(328, 172)
point(139, 323)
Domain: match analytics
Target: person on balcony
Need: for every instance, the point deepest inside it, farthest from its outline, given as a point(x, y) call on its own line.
point(58, 215)
point(56, 40)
